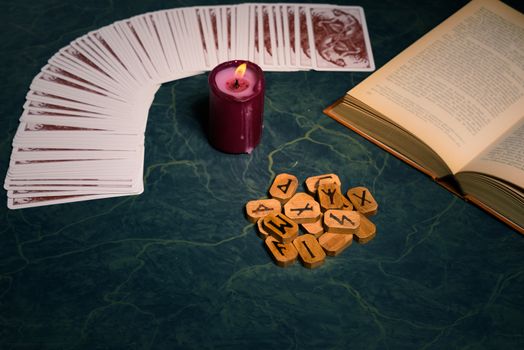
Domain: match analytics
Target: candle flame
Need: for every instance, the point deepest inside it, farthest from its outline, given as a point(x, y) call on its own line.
point(240, 71)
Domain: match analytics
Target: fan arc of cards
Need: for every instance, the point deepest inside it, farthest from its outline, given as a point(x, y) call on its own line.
point(81, 134)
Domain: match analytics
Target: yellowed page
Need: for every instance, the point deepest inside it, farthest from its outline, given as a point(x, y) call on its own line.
point(460, 86)
point(505, 158)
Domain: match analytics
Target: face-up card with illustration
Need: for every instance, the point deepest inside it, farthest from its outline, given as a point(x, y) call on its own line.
point(340, 38)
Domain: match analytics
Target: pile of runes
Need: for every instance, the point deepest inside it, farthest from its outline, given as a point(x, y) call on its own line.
point(328, 219)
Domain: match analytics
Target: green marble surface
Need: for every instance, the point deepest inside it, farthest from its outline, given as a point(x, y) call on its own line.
point(179, 267)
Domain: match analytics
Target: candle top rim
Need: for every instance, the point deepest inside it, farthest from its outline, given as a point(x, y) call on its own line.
point(258, 85)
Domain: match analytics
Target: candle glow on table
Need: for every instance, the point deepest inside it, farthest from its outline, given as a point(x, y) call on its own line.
point(236, 103)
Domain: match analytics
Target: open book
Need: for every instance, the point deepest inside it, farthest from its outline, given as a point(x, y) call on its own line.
point(452, 105)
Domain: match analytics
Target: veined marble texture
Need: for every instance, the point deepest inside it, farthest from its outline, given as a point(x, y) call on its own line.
point(180, 267)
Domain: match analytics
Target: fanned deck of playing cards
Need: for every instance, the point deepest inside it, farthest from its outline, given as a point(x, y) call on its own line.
point(81, 134)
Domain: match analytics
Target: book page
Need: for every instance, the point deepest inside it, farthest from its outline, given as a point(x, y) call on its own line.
point(460, 86)
point(505, 158)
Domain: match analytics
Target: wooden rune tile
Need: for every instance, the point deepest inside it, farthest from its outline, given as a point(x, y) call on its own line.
point(281, 227)
point(366, 231)
point(259, 208)
point(330, 224)
point(302, 208)
point(329, 195)
point(347, 204)
point(284, 187)
point(335, 243)
point(363, 200)
point(341, 221)
point(315, 228)
point(261, 231)
point(284, 254)
point(313, 181)
point(309, 250)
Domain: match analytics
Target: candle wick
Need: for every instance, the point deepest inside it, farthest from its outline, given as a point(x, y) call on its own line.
point(237, 85)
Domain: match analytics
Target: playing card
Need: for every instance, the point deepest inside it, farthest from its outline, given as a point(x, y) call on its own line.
point(131, 78)
point(38, 107)
point(341, 40)
point(141, 48)
point(20, 155)
point(242, 32)
point(226, 30)
point(266, 30)
point(86, 71)
point(294, 34)
point(167, 42)
point(29, 202)
point(15, 194)
point(134, 120)
point(269, 43)
point(286, 35)
point(111, 43)
point(193, 32)
point(79, 81)
point(101, 184)
point(169, 47)
point(231, 30)
point(67, 120)
point(73, 167)
point(73, 186)
point(159, 20)
point(94, 44)
point(79, 140)
point(59, 102)
point(210, 34)
point(93, 55)
point(215, 17)
point(66, 89)
point(81, 188)
point(189, 38)
point(183, 40)
point(75, 171)
point(259, 36)
point(147, 33)
point(203, 39)
point(304, 37)
point(40, 110)
point(252, 33)
point(279, 35)
point(120, 40)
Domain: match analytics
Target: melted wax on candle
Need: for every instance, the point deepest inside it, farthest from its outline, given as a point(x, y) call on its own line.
point(237, 84)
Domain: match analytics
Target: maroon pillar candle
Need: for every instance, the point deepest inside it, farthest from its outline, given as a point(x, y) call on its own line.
point(236, 105)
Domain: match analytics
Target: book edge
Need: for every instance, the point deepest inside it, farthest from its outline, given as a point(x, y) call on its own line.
point(443, 182)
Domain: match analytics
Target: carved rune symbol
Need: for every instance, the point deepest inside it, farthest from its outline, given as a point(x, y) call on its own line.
point(279, 246)
point(331, 193)
point(284, 224)
point(261, 207)
point(321, 178)
point(341, 220)
point(363, 199)
point(308, 207)
point(284, 187)
point(308, 250)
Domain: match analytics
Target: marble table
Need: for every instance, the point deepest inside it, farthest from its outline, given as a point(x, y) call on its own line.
point(180, 267)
